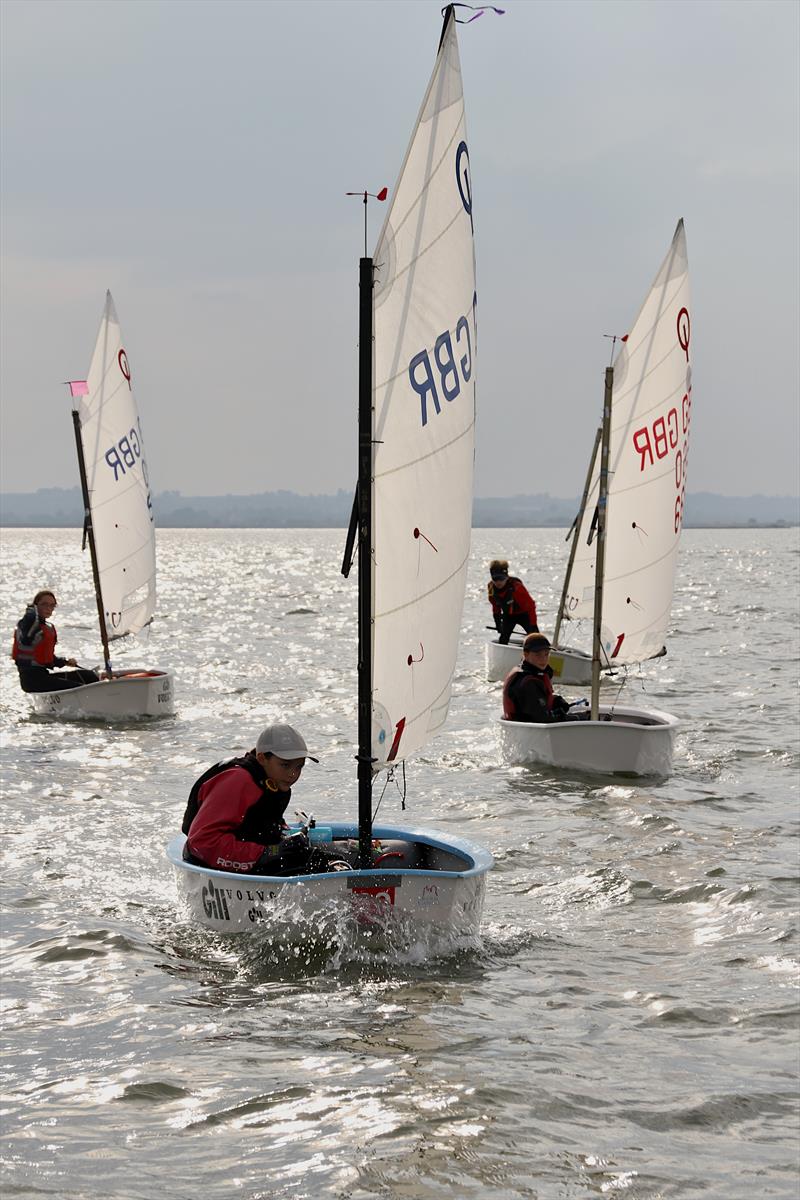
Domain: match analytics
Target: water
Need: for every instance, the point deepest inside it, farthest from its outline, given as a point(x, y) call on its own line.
point(628, 1024)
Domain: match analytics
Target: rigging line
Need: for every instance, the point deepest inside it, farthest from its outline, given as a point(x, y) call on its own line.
point(414, 462)
point(628, 399)
point(666, 473)
point(107, 568)
point(633, 348)
point(389, 775)
point(435, 88)
point(127, 557)
point(437, 702)
point(621, 396)
point(97, 505)
point(615, 701)
point(390, 612)
point(113, 365)
point(435, 168)
point(413, 261)
point(391, 379)
point(650, 562)
point(657, 621)
point(657, 288)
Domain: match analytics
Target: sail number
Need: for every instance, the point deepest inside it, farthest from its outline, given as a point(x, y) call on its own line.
point(125, 454)
point(450, 369)
point(655, 441)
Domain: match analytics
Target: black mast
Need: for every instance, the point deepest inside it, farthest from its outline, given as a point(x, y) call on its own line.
point(88, 535)
point(364, 494)
point(600, 561)
point(448, 14)
point(362, 512)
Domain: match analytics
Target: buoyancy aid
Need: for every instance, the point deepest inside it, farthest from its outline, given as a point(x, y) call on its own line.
point(41, 650)
point(511, 684)
point(257, 823)
point(511, 599)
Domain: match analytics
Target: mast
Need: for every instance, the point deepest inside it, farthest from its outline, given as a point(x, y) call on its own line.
point(448, 15)
point(600, 560)
point(364, 493)
point(575, 532)
point(88, 534)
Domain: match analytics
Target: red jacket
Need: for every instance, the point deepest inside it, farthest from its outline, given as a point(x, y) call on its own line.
point(233, 809)
point(512, 599)
point(35, 642)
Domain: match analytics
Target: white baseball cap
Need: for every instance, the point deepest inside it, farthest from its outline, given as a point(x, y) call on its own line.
point(284, 741)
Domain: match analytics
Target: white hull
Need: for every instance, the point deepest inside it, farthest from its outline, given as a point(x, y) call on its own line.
point(636, 741)
point(569, 666)
point(133, 693)
point(445, 896)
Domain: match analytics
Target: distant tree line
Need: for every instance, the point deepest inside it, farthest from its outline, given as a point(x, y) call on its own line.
point(62, 507)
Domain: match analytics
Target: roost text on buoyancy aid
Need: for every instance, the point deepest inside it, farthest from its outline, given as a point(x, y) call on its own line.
point(526, 676)
point(41, 650)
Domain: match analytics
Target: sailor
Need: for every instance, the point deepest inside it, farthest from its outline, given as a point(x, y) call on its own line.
point(234, 817)
point(511, 602)
point(528, 690)
point(33, 651)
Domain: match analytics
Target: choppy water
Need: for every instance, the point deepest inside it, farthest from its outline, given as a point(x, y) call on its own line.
point(628, 1024)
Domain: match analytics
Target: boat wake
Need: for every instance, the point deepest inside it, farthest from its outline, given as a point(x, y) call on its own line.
point(336, 937)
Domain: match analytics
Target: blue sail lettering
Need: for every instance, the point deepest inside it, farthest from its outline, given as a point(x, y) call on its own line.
point(466, 361)
point(124, 454)
point(446, 365)
point(452, 371)
point(127, 453)
point(423, 386)
point(113, 459)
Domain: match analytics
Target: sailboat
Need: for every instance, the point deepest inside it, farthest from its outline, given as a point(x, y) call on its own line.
point(412, 527)
point(623, 574)
point(119, 530)
point(570, 665)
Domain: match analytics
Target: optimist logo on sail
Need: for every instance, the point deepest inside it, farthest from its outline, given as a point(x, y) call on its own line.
point(463, 181)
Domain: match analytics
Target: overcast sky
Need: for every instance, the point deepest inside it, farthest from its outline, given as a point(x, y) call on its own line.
point(193, 158)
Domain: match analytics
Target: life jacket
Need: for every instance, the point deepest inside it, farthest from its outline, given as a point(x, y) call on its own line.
point(502, 599)
point(251, 828)
point(543, 677)
point(41, 650)
point(506, 600)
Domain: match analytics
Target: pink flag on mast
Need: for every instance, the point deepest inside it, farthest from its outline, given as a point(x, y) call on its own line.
point(78, 387)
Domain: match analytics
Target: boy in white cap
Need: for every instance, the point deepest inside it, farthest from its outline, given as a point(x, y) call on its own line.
point(234, 818)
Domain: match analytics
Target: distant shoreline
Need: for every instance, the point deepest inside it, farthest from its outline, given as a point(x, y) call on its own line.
point(509, 525)
point(62, 508)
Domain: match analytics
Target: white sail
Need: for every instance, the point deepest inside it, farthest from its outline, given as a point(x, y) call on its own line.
point(119, 493)
point(423, 421)
point(649, 447)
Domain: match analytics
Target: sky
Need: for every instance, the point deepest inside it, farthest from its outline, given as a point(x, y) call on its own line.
point(193, 158)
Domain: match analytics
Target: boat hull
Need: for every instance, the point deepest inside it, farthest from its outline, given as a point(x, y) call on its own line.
point(129, 695)
point(635, 741)
point(569, 666)
point(447, 898)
